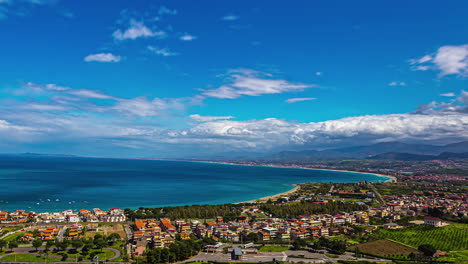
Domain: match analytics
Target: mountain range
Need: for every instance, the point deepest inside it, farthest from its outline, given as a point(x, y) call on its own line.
point(380, 151)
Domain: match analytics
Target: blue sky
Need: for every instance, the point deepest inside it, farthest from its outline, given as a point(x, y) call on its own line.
point(169, 78)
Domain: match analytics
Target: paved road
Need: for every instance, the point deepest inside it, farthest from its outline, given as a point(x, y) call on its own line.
point(61, 232)
point(279, 256)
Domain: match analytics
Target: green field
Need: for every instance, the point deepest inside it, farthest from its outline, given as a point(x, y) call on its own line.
point(26, 258)
point(447, 238)
point(273, 249)
point(457, 257)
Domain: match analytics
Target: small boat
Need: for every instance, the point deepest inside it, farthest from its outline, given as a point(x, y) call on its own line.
point(57, 200)
point(38, 203)
point(48, 200)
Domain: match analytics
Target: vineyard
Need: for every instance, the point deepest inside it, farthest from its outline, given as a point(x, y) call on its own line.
point(448, 238)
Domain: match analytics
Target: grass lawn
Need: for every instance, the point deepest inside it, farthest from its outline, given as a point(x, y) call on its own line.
point(27, 258)
point(273, 249)
point(14, 236)
point(105, 254)
point(447, 238)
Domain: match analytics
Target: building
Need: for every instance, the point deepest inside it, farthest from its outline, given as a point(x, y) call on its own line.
point(432, 221)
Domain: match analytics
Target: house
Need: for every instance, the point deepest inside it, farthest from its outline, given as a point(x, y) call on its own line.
point(236, 254)
point(432, 221)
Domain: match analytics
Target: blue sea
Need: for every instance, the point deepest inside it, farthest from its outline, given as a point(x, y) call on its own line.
point(45, 183)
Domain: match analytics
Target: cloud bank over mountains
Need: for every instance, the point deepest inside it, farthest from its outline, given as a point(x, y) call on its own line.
point(115, 124)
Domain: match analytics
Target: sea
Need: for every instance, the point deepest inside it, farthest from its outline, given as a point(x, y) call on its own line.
point(51, 184)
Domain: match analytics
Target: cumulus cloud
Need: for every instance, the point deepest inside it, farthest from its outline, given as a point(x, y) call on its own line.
point(136, 30)
point(201, 118)
point(295, 100)
point(187, 37)
point(162, 51)
point(253, 83)
point(449, 60)
point(102, 57)
point(272, 133)
point(460, 105)
point(120, 126)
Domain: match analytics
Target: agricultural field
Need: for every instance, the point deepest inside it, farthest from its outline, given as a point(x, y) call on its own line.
point(448, 238)
point(273, 249)
point(384, 248)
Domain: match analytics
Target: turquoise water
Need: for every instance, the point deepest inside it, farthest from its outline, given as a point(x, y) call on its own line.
point(41, 183)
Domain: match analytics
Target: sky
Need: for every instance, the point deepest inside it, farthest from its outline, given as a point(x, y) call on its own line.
point(173, 78)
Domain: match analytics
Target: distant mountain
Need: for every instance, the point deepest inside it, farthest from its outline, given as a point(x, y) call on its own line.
point(402, 156)
point(416, 157)
point(361, 152)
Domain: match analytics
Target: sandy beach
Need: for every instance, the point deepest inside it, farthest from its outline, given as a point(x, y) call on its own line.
point(264, 199)
point(390, 177)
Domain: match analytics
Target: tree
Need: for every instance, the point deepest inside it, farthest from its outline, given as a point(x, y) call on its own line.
point(252, 237)
point(13, 244)
point(62, 245)
point(49, 244)
point(3, 244)
point(76, 243)
point(100, 244)
point(37, 243)
point(298, 244)
point(427, 249)
point(113, 237)
point(64, 256)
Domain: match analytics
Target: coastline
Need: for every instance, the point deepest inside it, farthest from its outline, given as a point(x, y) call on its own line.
point(297, 186)
point(278, 195)
point(390, 177)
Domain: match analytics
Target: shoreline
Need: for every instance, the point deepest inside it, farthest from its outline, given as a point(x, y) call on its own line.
point(390, 177)
point(278, 195)
point(296, 185)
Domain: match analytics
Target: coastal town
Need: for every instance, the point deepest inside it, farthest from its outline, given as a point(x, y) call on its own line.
point(344, 217)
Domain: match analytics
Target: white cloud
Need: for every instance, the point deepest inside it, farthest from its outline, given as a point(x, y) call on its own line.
point(90, 94)
point(162, 51)
point(452, 60)
point(46, 87)
point(187, 37)
point(295, 100)
point(230, 18)
point(319, 73)
point(449, 60)
point(200, 118)
point(396, 83)
point(102, 57)
point(448, 94)
point(423, 59)
point(163, 10)
point(137, 30)
point(272, 133)
point(253, 83)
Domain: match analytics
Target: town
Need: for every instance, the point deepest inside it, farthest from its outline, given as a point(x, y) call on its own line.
point(317, 223)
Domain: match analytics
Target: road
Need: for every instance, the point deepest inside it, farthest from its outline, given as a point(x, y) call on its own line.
point(61, 232)
point(309, 257)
